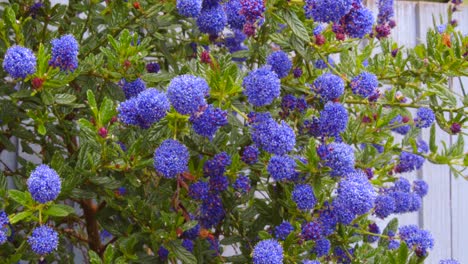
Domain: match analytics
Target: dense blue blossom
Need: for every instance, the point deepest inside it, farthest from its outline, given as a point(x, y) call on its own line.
point(385, 11)
point(393, 244)
point(44, 184)
point(188, 244)
point(199, 190)
point(268, 252)
point(322, 247)
point(297, 72)
point(211, 211)
point(304, 197)
point(280, 63)
point(187, 93)
point(3, 219)
point(327, 10)
point(402, 201)
point(282, 168)
point(234, 18)
point(147, 108)
point(339, 157)
point(218, 183)
point(3, 236)
point(342, 255)
point(283, 230)
point(365, 84)
point(275, 138)
point(373, 228)
point(420, 187)
point(207, 122)
point(415, 202)
point(409, 162)
point(217, 165)
point(358, 22)
point(425, 117)
point(356, 193)
point(402, 185)
point(171, 158)
point(19, 62)
point(311, 231)
point(212, 19)
point(192, 233)
point(333, 119)
point(163, 253)
point(399, 128)
point(153, 67)
point(252, 9)
point(189, 8)
point(384, 206)
point(134, 88)
point(64, 53)
point(242, 184)
point(417, 239)
point(328, 220)
point(329, 86)
point(43, 240)
point(261, 86)
point(250, 154)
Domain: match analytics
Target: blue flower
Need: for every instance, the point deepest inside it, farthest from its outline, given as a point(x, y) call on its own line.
point(328, 220)
point(274, 138)
point(19, 62)
point(280, 63)
point(134, 88)
point(217, 165)
point(153, 67)
point(3, 219)
point(252, 9)
point(425, 117)
point(43, 240)
point(234, 18)
point(187, 93)
point(384, 206)
point(199, 190)
point(268, 252)
point(340, 158)
point(322, 247)
point(415, 202)
point(319, 29)
point(311, 231)
point(44, 184)
point(218, 183)
point(385, 11)
point(327, 10)
point(212, 19)
point(402, 201)
point(356, 193)
point(329, 86)
point(192, 233)
point(333, 119)
point(207, 122)
point(211, 211)
point(417, 239)
point(261, 86)
point(365, 84)
point(189, 8)
point(358, 22)
point(163, 253)
point(282, 168)
point(188, 244)
point(250, 155)
point(242, 184)
point(171, 158)
point(65, 53)
point(420, 187)
point(304, 197)
point(283, 230)
point(373, 228)
point(342, 255)
point(3, 237)
point(409, 162)
point(400, 129)
point(402, 185)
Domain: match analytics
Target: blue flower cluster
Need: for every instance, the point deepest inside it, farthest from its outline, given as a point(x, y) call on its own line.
point(217, 165)
point(373, 228)
point(339, 157)
point(132, 89)
point(283, 230)
point(187, 93)
point(328, 86)
point(322, 247)
point(385, 11)
point(274, 138)
point(44, 184)
point(420, 187)
point(235, 19)
point(304, 197)
point(207, 122)
point(417, 239)
point(189, 8)
point(358, 22)
point(311, 231)
point(211, 211)
point(252, 9)
point(212, 19)
point(65, 53)
point(153, 67)
point(282, 168)
point(147, 108)
point(290, 103)
point(365, 84)
point(280, 63)
point(3, 230)
point(235, 43)
point(261, 86)
point(43, 240)
point(327, 10)
point(171, 158)
point(242, 184)
point(268, 252)
point(250, 155)
point(19, 62)
point(199, 190)
point(409, 162)
point(425, 117)
point(333, 119)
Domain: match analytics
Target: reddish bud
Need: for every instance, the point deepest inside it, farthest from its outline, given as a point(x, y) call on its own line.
point(205, 57)
point(113, 120)
point(320, 39)
point(37, 82)
point(127, 64)
point(405, 119)
point(136, 5)
point(102, 132)
point(455, 128)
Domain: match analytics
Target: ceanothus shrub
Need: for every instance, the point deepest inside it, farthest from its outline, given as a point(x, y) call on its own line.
point(208, 131)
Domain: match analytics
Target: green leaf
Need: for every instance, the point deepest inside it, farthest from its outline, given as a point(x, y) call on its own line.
point(94, 257)
point(403, 253)
point(107, 111)
point(9, 16)
point(23, 198)
point(20, 216)
point(92, 102)
point(296, 25)
point(432, 140)
point(64, 99)
point(59, 210)
point(189, 225)
point(41, 129)
point(182, 254)
point(109, 254)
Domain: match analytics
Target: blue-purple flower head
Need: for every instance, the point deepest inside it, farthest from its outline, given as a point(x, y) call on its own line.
point(280, 63)
point(304, 197)
point(207, 123)
point(402, 185)
point(358, 22)
point(211, 211)
point(402, 201)
point(339, 157)
point(333, 119)
point(283, 230)
point(319, 29)
point(212, 19)
point(384, 206)
point(242, 184)
point(187, 93)
point(65, 53)
point(163, 253)
point(171, 158)
point(252, 9)
point(420, 187)
point(147, 108)
point(274, 138)
point(44, 184)
point(217, 165)
point(329, 86)
point(425, 117)
point(3, 231)
point(399, 126)
point(234, 18)
point(365, 84)
point(417, 239)
point(187, 244)
point(250, 155)
point(198, 190)
point(43, 240)
point(189, 8)
point(261, 86)
point(322, 247)
point(409, 162)
point(153, 67)
point(268, 252)
point(19, 62)
point(133, 88)
point(327, 10)
point(356, 193)
point(386, 11)
point(282, 168)
point(311, 231)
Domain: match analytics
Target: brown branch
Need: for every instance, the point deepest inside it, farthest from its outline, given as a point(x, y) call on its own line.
point(92, 227)
point(73, 233)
